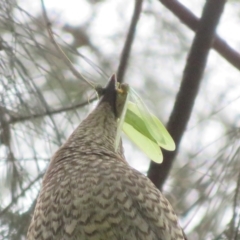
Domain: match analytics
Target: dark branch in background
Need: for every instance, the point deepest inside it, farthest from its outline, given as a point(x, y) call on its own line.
point(187, 94)
point(129, 40)
point(188, 18)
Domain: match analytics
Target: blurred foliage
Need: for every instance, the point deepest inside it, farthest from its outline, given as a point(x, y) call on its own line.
point(41, 102)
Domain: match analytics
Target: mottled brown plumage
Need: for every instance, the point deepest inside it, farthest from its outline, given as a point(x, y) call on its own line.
point(89, 192)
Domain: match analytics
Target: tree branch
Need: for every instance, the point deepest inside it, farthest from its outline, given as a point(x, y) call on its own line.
point(188, 18)
point(191, 80)
point(129, 41)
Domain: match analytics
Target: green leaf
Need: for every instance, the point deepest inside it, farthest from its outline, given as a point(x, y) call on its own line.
point(149, 147)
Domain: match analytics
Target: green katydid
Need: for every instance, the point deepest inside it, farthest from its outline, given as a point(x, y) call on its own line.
point(142, 127)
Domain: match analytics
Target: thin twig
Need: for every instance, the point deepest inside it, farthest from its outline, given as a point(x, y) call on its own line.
point(189, 87)
point(188, 18)
point(129, 41)
point(50, 112)
point(21, 194)
point(236, 232)
point(233, 234)
point(43, 101)
point(63, 56)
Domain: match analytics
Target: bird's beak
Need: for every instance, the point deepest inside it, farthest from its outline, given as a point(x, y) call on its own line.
point(110, 94)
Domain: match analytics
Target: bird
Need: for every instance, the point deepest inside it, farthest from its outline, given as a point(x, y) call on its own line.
point(90, 192)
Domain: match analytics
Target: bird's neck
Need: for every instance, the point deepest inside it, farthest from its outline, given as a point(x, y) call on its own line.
point(97, 131)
